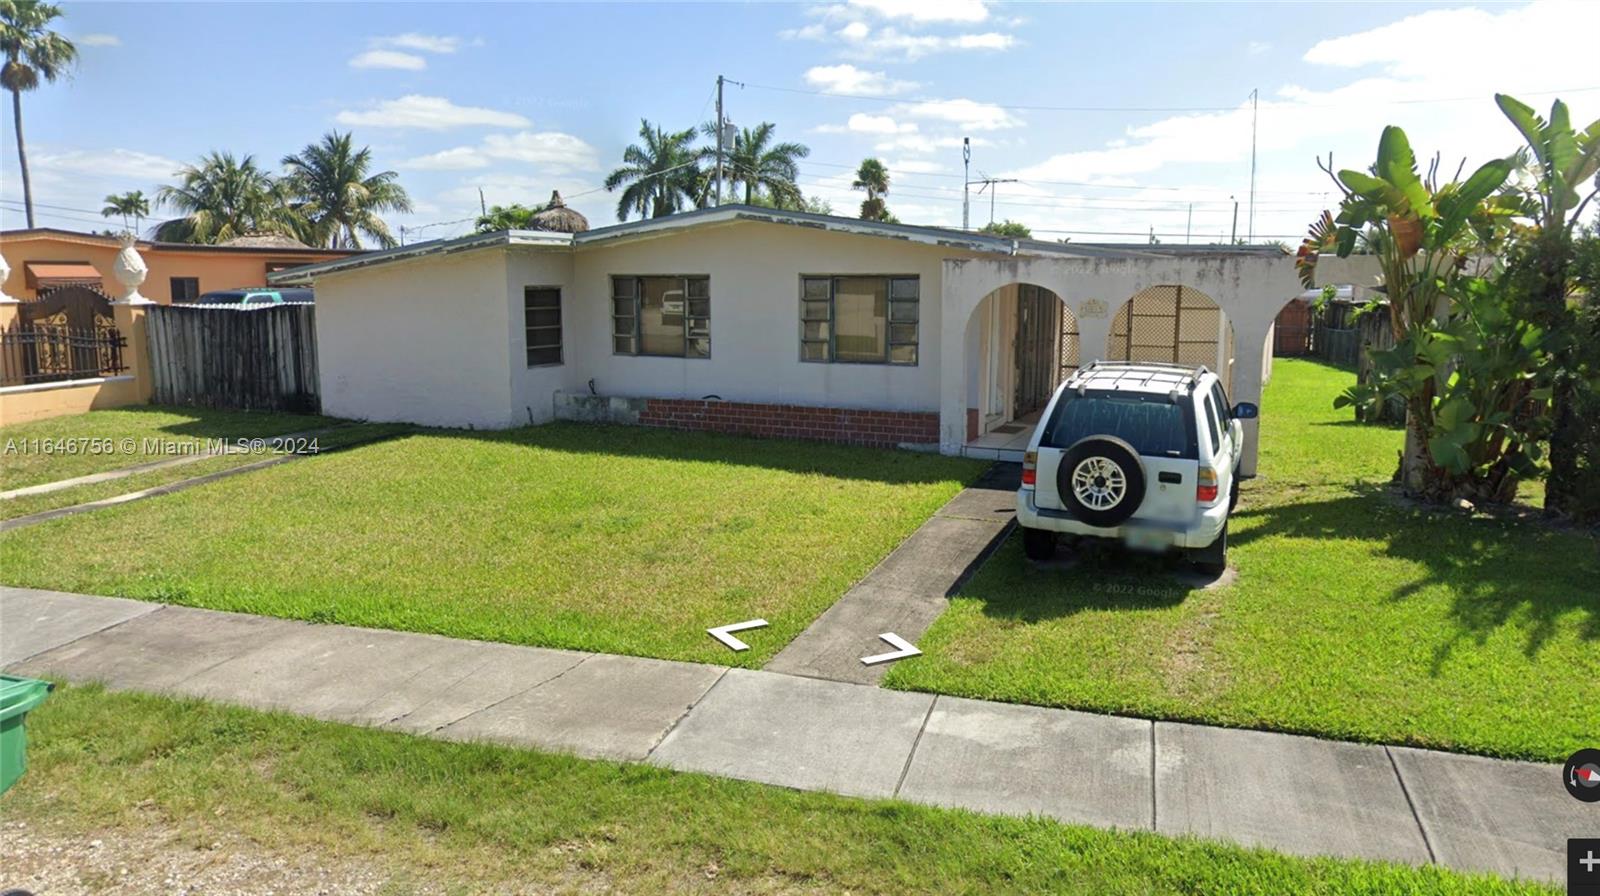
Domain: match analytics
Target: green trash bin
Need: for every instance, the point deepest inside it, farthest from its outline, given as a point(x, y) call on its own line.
point(17, 697)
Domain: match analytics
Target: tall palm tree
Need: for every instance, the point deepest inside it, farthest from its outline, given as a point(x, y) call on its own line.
point(765, 168)
point(129, 205)
point(873, 177)
point(336, 197)
point(32, 52)
point(221, 198)
point(660, 173)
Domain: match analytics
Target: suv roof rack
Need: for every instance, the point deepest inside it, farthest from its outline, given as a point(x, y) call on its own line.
point(1131, 369)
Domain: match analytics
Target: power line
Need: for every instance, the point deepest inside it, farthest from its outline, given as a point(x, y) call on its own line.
point(1079, 183)
point(1019, 107)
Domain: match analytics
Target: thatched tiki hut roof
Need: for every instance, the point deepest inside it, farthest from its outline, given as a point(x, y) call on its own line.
point(556, 216)
point(264, 241)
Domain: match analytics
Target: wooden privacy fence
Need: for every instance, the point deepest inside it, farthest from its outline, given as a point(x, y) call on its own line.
point(244, 357)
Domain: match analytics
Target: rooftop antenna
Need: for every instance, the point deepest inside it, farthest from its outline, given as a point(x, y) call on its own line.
point(988, 182)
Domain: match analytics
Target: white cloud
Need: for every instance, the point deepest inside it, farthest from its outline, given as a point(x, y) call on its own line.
point(927, 10)
point(98, 40)
point(915, 166)
point(890, 42)
point(1257, 47)
point(551, 148)
point(966, 114)
point(127, 164)
point(426, 43)
point(862, 123)
point(553, 151)
point(460, 158)
point(847, 79)
point(389, 59)
point(852, 27)
point(432, 113)
point(924, 143)
point(1410, 65)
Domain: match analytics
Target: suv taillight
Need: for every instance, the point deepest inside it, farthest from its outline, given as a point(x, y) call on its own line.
point(1205, 490)
point(1030, 468)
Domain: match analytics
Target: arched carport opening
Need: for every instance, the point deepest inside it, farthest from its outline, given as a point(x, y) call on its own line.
point(1021, 341)
point(1174, 324)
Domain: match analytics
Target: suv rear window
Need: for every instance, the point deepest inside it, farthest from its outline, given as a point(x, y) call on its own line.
point(1152, 424)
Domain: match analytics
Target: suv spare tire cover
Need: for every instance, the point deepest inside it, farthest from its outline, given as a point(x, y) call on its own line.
point(1101, 480)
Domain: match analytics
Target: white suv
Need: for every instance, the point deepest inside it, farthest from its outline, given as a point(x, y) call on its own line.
point(1141, 453)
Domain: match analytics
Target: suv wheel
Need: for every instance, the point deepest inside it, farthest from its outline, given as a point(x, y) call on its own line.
point(1213, 559)
point(1101, 480)
point(1038, 544)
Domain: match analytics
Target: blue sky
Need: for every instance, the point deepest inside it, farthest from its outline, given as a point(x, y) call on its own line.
point(520, 99)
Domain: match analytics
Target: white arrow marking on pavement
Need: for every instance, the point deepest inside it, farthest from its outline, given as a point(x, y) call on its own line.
point(724, 634)
point(902, 649)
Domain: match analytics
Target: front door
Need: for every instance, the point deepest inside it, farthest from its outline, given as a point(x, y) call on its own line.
point(1038, 328)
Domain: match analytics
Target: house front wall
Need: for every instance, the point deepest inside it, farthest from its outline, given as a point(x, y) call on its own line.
point(423, 341)
point(755, 271)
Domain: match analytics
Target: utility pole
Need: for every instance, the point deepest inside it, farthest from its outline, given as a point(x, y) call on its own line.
point(1188, 226)
point(1235, 237)
point(1255, 99)
point(719, 139)
point(484, 207)
point(966, 180)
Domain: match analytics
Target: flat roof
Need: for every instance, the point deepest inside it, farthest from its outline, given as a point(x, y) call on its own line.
point(98, 239)
point(733, 213)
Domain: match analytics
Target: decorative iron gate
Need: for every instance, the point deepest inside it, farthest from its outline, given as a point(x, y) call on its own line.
point(66, 334)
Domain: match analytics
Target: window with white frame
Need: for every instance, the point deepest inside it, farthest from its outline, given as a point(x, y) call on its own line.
point(859, 320)
point(661, 316)
point(541, 321)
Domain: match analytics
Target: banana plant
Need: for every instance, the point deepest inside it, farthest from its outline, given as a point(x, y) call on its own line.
point(1566, 159)
point(1423, 235)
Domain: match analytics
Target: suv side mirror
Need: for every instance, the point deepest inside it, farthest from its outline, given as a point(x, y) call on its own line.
point(1245, 410)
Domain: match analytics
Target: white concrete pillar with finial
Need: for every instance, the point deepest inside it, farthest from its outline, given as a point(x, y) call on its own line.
point(129, 313)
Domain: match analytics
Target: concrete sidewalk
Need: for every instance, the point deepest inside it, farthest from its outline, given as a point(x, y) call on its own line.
point(1295, 794)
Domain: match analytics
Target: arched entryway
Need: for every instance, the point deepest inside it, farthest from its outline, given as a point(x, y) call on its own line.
point(1174, 324)
point(1022, 340)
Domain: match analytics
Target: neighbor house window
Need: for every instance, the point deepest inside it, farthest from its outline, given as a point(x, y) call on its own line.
point(541, 319)
point(859, 320)
point(665, 316)
point(185, 289)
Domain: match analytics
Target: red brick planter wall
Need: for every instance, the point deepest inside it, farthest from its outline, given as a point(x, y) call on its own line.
point(881, 429)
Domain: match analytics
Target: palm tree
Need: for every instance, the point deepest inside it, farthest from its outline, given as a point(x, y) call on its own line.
point(129, 205)
point(660, 174)
point(873, 177)
point(32, 51)
point(763, 168)
point(335, 196)
point(222, 198)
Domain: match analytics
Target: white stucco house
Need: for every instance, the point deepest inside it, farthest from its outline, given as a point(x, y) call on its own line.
point(777, 323)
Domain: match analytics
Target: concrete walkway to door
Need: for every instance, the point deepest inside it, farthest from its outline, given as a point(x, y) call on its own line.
point(907, 591)
point(1290, 793)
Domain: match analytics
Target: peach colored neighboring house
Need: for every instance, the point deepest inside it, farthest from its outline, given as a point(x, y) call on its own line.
point(44, 258)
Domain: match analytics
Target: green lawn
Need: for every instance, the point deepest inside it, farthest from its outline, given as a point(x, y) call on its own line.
point(470, 818)
point(23, 461)
point(1354, 616)
point(339, 437)
point(621, 540)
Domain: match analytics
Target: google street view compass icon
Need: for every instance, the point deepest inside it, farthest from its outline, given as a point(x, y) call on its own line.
point(1581, 774)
